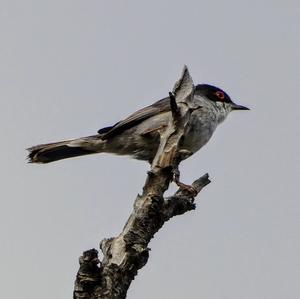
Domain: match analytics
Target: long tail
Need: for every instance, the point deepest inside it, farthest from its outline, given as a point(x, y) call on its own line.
point(46, 153)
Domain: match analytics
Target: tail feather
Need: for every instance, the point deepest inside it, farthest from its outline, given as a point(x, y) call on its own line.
point(46, 153)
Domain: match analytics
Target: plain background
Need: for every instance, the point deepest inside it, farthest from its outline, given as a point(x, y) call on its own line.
point(70, 67)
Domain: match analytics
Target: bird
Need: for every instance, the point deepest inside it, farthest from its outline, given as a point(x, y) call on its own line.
point(138, 135)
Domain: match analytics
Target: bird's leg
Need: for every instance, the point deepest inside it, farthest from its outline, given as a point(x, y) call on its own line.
point(182, 186)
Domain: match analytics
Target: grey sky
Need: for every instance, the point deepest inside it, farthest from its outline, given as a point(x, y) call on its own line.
point(70, 67)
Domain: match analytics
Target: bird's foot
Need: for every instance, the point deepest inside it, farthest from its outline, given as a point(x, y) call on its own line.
point(188, 188)
point(183, 186)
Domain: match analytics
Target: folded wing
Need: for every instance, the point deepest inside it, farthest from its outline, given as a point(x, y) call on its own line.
point(137, 117)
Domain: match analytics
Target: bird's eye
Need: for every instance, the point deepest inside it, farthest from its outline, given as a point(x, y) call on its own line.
point(220, 95)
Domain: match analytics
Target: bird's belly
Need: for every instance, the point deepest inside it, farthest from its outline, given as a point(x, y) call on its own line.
point(197, 137)
point(135, 143)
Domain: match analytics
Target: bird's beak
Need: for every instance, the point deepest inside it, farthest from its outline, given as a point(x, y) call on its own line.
point(238, 107)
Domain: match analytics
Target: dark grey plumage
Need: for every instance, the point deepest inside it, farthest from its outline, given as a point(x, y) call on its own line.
point(138, 134)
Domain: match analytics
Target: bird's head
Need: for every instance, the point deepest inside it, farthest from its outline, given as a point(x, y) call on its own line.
point(219, 97)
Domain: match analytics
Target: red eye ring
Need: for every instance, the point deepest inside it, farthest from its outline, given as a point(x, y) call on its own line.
point(220, 94)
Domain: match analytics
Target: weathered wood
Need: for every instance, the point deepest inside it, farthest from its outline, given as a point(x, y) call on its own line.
point(125, 254)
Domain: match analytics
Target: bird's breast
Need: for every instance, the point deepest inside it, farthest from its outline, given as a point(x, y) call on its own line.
point(202, 125)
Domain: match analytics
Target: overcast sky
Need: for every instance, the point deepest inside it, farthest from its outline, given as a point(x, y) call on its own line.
point(70, 67)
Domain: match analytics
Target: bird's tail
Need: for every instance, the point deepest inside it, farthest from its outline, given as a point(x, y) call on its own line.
point(46, 153)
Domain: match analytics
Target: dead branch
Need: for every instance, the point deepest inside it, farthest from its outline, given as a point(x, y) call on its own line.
point(125, 254)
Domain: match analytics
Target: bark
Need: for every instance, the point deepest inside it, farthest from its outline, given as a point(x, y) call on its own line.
point(125, 254)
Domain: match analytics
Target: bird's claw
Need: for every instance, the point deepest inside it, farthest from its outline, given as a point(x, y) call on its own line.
point(182, 186)
point(187, 188)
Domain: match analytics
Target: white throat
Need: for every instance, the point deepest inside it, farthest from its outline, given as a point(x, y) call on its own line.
point(223, 109)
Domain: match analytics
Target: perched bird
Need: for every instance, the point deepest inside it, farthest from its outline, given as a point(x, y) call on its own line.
point(138, 135)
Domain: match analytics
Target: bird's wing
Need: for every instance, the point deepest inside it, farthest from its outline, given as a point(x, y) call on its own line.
point(137, 117)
